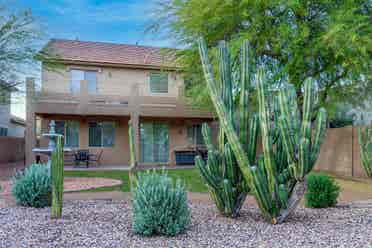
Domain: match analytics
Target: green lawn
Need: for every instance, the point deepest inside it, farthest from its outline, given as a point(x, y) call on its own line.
point(190, 177)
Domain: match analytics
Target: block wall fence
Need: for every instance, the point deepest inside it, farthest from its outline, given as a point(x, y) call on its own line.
point(340, 153)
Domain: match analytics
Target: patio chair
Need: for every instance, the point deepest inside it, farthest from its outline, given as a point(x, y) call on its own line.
point(82, 156)
point(96, 158)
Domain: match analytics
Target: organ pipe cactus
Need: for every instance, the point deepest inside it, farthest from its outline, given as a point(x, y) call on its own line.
point(365, 144)
point(57, 177)
point(132, 152)
point(290, 142)
point(220, 172)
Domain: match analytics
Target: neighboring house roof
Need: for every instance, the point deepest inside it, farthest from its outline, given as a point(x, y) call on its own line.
point(88, 52)
point(17, 120)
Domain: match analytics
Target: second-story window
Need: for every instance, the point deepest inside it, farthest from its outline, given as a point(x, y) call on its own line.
point(78, 75)
point(158, 82)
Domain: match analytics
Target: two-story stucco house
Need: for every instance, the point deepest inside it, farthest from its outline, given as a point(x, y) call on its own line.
point(101, 87)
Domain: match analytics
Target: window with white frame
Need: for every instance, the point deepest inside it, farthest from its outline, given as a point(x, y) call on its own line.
point(70, 130)
point(78, 75)
point(158, 82)
point(194, 134)
point(101, 134)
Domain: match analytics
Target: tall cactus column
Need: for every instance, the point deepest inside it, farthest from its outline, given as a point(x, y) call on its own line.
point(57, 178)
point(220, 172)
point(132, 151)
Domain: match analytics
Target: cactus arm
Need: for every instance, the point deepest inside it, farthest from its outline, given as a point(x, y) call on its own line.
point(304, 159)
point(226, 82)
point(266, 138)
point(319, 134)
point(214, 165)
point(225, 121)
point(307, 108)
point(287, 139)
point(365, 141)
point(283, 121)
point(57, 178)
point(252, 144)
point(208, 177)
point(361, 147)
point(228, 192)
point(206, 132)
point(262, 194)
point(225, 85)
point(244, 95)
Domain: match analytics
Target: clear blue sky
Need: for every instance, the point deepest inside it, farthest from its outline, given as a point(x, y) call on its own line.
point(120, 21)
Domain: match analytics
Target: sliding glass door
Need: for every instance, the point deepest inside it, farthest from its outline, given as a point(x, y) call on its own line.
point(154, 142)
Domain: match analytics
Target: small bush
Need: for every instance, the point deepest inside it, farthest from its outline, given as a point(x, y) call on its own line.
point(159, 205)
point(322, 191)
point(33, 186)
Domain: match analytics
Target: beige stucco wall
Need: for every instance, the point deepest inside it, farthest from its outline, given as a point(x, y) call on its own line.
point(340, 153)
point(110, 81)
point(119, 154)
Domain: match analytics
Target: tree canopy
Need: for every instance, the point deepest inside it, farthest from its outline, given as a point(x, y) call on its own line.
point(329, 40)
point(17, 45)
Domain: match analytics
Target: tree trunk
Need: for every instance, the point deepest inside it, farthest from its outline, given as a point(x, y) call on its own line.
point(297, 194)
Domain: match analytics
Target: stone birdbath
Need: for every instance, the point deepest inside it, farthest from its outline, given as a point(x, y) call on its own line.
point(52, 136)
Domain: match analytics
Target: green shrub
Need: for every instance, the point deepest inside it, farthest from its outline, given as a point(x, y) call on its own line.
point(33, 186)
point(159, 205)
point(322, 191)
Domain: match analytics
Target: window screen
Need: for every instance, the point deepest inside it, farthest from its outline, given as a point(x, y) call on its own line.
point(91, 77)
point(194, 134)
point(70, 131)
point(78, 75)
point(159, 82)
point(101, 134)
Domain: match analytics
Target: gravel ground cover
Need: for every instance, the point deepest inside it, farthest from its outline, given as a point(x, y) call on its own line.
point(108, 224)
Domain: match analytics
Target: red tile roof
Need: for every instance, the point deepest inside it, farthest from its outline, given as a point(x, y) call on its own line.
point(113, 54)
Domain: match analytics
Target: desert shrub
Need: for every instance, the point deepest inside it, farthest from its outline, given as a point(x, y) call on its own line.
point(322, 191)
point(159, 205)
point(33, 186)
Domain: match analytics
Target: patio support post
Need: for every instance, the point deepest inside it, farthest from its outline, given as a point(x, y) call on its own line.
point(133, 158)
point(134, 119)
point(84, 96)
point(133, 133)
point(30, 135)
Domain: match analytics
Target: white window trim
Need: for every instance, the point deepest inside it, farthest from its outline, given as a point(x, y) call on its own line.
point(84, 69)
point(65, 129)
point(149, 84)
point(102, 146)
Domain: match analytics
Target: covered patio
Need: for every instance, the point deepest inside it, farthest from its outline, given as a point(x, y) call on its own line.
point(101, 142)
